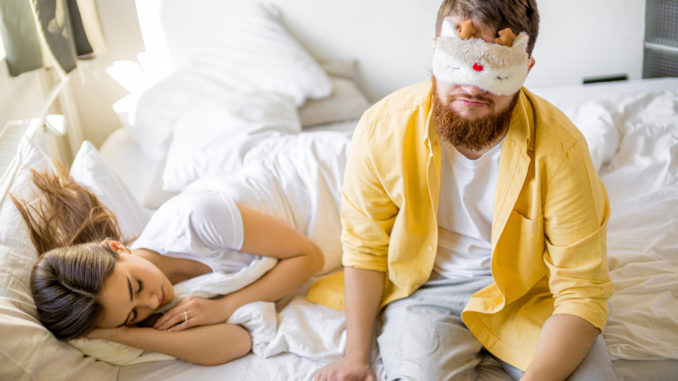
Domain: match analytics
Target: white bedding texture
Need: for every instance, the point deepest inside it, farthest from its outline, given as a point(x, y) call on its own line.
point(275, 136)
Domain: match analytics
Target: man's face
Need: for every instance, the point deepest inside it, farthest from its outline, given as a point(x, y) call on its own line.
point(471, 102)
point(469, 116)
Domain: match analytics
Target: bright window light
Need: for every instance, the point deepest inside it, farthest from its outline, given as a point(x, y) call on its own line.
point(2, 50)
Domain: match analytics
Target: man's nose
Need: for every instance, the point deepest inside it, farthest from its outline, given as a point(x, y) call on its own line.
point(472, 90)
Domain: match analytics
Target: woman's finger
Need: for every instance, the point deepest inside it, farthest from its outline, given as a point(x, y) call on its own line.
point(167, 316)
point(181, 326)
point(174, 317)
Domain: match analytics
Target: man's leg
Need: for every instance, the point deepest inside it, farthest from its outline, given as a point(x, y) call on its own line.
point(423, 336)
point(597, 365)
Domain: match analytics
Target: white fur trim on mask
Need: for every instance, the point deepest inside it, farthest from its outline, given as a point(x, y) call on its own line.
point(492, 67)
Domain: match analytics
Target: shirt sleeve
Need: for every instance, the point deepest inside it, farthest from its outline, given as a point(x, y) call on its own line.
point(194, 222)
point(576, 211)
point(367, 213)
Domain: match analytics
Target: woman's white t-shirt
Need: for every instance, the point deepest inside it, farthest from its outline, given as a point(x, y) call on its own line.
point(205, 226)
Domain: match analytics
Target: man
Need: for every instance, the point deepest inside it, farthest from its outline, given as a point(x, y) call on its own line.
point(472, 213)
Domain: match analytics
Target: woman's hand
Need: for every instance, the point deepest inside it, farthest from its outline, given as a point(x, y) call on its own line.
point(193, 312)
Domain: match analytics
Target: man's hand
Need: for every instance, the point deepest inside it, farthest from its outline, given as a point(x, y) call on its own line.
point(193, 312)
point(346, 369)
point(363, 290)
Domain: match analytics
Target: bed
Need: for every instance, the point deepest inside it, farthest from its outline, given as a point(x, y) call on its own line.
point(191, 125)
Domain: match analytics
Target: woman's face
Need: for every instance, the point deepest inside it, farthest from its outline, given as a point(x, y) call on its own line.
point(134, 290)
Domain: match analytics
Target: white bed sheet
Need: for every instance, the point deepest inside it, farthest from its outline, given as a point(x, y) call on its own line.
point(248, 368)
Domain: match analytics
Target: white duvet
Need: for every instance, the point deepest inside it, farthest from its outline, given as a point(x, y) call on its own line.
point(633, 141)
point(642, 183)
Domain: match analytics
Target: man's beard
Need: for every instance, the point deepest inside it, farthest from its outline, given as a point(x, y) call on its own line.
point(472, 134)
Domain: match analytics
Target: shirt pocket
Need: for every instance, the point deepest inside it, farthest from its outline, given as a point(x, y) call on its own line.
point(519, 254)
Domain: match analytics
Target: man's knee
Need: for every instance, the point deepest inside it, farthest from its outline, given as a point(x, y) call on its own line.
point(597, 365)
point(428, 351)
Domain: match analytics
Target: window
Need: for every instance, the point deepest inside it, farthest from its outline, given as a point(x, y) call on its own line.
point(2, 50)
point(661, 41)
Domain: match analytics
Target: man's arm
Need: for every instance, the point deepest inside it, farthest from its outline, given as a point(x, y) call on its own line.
point(564, 342)
point(576, 211)
point(363, 290)
point(367, 215)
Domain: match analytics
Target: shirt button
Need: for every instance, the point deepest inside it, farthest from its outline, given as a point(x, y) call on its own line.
point(430, 248)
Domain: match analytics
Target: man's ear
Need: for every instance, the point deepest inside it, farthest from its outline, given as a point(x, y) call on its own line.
point(530, 63)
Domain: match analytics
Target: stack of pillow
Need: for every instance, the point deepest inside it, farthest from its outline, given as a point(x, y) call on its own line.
point(251, 77)
point(29, 351)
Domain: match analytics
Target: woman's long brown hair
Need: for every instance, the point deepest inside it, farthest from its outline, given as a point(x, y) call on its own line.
point(69, 227)
point(66, 214)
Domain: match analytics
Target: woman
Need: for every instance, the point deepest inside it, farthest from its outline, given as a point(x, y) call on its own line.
point(87, 283)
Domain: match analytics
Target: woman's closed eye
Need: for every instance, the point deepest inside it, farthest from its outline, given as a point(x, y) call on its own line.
point(140, 286)
point(133, 315)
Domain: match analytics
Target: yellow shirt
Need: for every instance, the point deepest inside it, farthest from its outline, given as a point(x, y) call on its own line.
point(548, 230)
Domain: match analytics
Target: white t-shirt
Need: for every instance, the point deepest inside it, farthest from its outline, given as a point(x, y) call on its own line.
point(205, 226)
point(467, 191)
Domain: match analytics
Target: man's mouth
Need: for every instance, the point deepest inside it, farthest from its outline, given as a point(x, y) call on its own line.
point(473, 102)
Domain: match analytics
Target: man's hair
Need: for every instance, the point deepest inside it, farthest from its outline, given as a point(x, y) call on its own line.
point(519, 15)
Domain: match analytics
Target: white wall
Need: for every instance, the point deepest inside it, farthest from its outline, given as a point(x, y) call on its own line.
point(585, 38)
point(94, 89)
point(392, 40)
point(21, 97)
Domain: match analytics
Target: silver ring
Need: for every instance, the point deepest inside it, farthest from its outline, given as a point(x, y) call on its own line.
point(185, 316)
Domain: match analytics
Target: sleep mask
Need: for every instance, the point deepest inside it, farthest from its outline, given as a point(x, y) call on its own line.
point(499, 67)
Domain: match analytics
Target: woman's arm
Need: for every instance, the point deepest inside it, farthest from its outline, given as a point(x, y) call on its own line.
point(205, 345)
point(265, 235)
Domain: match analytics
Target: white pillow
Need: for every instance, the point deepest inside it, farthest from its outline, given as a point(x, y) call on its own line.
point(17, 253)
point(90, 170)
point(255, 52)
point(346, 102)
point(30, 351)
point(597, 120)
point(347, 69)
point(251, 52)
point(155, 195)
point(217, 134)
